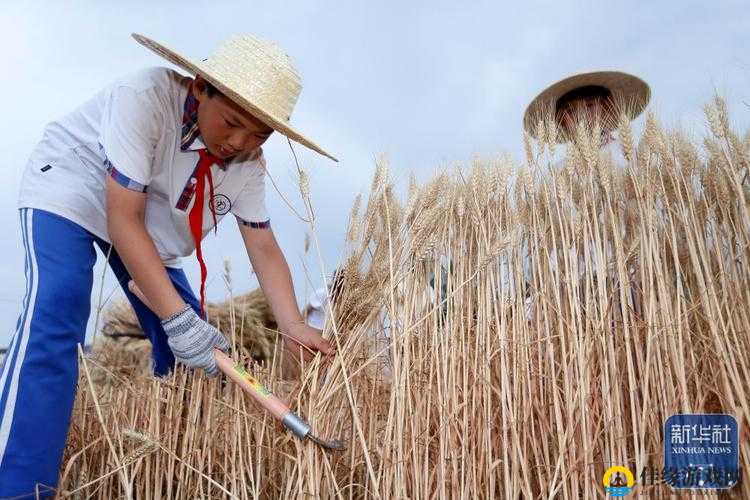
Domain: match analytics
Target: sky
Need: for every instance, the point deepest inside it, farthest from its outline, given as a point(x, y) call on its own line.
point(427, 84)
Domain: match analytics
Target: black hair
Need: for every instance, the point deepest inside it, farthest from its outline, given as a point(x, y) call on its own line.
point(585, 92)
point(211, 90)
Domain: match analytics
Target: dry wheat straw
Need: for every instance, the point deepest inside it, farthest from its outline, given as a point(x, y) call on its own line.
point(565, 323)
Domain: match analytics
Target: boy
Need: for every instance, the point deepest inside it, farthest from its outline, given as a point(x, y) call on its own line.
point(145, 169)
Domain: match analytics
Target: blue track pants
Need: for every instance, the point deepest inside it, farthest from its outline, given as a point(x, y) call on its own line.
point(39, 375)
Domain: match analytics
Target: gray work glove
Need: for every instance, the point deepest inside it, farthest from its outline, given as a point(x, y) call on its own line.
point(192, 340)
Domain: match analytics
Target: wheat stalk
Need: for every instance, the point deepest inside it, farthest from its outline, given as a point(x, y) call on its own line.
point(490, 343)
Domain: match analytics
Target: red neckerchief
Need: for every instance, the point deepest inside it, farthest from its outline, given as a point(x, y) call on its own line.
point(202, 173)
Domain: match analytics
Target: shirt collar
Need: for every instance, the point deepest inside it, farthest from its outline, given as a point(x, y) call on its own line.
point(190, 131)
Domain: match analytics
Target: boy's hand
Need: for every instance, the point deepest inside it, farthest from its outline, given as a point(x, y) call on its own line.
point(193, 340)
point(307, 340)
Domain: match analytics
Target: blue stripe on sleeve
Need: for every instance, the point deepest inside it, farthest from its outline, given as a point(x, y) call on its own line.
point(125, 181)
point(255, 225)
point(122, 179)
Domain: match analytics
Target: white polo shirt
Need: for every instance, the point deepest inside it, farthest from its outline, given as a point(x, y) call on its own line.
point(135, 125)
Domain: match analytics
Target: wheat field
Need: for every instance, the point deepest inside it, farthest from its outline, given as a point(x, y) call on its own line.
point(508, 329)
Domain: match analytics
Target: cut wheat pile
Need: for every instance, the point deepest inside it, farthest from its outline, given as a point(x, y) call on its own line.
point(248, 317)
point(509, 330)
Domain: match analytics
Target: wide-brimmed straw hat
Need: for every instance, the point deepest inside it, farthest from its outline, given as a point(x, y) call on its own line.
point(629, 92)
point(255, 74)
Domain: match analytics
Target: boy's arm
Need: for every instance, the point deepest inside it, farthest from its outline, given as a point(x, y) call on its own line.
point(127, 230)
point(276, 281)
point(190, 338)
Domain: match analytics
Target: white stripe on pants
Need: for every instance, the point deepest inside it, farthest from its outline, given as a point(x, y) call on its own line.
point(23, 338)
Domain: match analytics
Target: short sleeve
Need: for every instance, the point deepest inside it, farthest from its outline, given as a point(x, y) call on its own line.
point(250, 205)
point(129, 133)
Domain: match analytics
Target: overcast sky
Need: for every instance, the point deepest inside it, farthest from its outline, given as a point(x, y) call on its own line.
point(427, 83)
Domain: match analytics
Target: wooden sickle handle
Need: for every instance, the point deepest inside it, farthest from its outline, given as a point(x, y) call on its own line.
point(250, 385)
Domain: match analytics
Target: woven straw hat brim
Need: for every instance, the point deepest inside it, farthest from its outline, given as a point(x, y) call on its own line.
point(279, 124)
point(628, 90)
